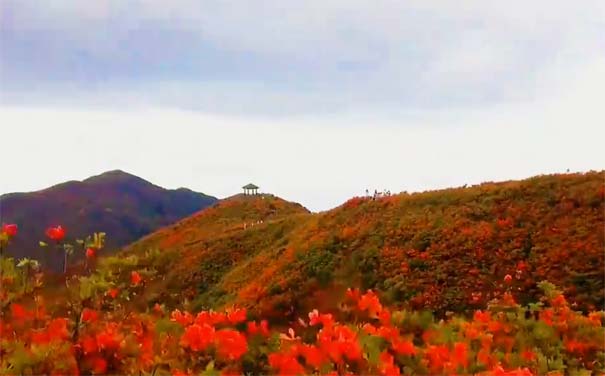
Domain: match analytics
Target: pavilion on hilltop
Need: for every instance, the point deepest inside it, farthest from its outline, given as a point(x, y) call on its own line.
point(250, 189)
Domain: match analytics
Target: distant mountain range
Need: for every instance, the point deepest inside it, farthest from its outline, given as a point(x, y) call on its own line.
point(122, 205)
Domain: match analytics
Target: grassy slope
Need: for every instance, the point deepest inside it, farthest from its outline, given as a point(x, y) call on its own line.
point(427, 250)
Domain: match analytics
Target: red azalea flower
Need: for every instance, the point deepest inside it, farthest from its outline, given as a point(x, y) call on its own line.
point(98, 365)
point(198, 337)
point(113, 293)
point(461, 354)
point(316, 318)
point(262, 329)
point(18, 311)
point(313, 356)
point(178, 372)
point(57, 329)
point(528, 355)
point(89, 315)
point(508, 278)
point(370, 302)
point(90, 253)
point(404, 347)
point(135, 278)
point(387, 365)
point(231, 344)
point(89, 345)
point(286, 364)
point(236, 316)
point(56, 233)
point(10, 230)
point(182, 318)
point(109, 339)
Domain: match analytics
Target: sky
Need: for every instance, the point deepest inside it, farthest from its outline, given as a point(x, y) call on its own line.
point(314, 101)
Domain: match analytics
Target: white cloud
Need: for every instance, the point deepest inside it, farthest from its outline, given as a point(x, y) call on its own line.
point(319, 161)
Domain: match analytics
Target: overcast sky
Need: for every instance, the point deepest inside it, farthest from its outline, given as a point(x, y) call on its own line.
point(312, 100)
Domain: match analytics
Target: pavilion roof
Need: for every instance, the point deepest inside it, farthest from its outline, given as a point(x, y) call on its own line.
point(250, 186)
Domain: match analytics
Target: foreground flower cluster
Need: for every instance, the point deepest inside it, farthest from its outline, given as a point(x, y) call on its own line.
point(101, 327)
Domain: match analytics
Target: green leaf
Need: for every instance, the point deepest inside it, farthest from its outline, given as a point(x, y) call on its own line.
point(210, 371)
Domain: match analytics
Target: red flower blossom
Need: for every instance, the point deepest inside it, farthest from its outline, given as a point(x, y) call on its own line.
point(88, 345)
point(370, 302)
point(231, 344)
point(19, 312)
point(558, 301)
point(404, 347)
point(90, 253)
point(178, 372)
point(324, 319)
point(528, 355)
point(135, 278)
point(113, 293)
point(387, 365)
point(10, 230)
point(158, 308)
point(483, 317)
point(262, 329)
point(89, 315)
point(508, 278)
point(286, 364)
point(55, 233)
point(182, 318)
point(98, 365)
point(109, 338)
point(460, 354)
point(198, 337)
point(236, 316)
point(313, 356)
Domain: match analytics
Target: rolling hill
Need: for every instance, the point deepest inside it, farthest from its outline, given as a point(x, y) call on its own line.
point(115, 202)
point(442, 250)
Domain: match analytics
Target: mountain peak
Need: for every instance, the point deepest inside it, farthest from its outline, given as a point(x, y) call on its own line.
point(113, 175)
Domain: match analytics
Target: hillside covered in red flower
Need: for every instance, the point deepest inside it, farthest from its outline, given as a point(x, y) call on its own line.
point(496, 279)
point(441, 250)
